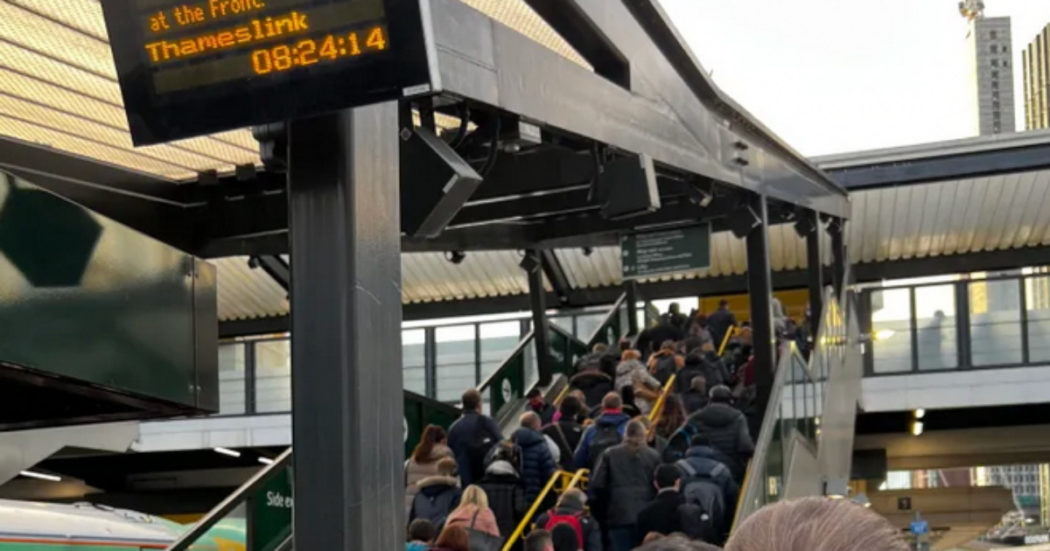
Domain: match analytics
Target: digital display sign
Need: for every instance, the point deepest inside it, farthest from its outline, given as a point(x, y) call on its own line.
point(193, 67)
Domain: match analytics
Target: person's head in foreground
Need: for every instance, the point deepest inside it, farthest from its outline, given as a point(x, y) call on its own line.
point(816, 524)
point(539, 540)
point(659, 542)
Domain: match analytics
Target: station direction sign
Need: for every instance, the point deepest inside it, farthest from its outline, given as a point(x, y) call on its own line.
point(191, 67)
point(665, 252)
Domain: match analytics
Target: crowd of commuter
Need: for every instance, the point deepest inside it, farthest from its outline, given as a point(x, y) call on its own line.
point(671, 484)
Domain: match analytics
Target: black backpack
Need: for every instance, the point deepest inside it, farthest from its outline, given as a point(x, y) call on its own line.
point(709, 512)
point(665, 367)
point(605, 437)
point(478, 448)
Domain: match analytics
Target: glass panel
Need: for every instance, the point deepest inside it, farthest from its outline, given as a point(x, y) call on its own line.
point(935, 320)
point(891, 330)
point(498, 339)
point(414, 359)
point(563, 322)
point(995, 322)
point(235, 522)
point(273, 376)
point(231, 379)
point(1037, 299)
point(587, 324)
point(455, 367)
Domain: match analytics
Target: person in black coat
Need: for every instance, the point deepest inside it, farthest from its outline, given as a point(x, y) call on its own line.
point(668, 512)
point(622, 484)
point(540, 406)
point(537, 462)
point(503, 486)
point(471, 437)
point(725, 427)
point(695, 398)
point(566, 431)
point(719, 322)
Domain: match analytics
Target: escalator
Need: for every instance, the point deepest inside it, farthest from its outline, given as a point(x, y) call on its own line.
point(258, 515)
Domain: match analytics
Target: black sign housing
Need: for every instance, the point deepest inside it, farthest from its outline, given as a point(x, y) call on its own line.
point(193, 67)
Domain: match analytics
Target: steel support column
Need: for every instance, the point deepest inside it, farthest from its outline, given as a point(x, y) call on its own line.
point(838, 251)
point(532, 264)
point(760, 290)
point(631, 287)
point(815, 268)
point(346, 334)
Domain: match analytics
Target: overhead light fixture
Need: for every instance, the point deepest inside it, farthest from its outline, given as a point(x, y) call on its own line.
point(587, 251)
point(227, 451)
point(920, 413)
point(455, 257)
point(916, 428)
point(41, 476)
point(266, 461)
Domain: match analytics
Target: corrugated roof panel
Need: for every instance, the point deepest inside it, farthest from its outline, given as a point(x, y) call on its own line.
point(245, 293)
point(428, 277)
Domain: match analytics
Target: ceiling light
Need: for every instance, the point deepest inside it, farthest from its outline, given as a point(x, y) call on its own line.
point(227, 451)
point(883, 334)
point(916, 428)
point(41, 476)
point(455, 257)
point(920, 413)
point(266, 461)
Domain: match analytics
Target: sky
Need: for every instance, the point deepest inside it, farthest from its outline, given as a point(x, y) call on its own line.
point(832, 76)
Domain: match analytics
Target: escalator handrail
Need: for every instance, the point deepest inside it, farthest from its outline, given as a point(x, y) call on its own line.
point(232, 502)
point(658, 408)
point(614, 311)
point(518, 349)
point(725, 340)
point(574, 480)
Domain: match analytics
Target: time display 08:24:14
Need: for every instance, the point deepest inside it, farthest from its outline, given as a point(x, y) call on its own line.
point(310, 51)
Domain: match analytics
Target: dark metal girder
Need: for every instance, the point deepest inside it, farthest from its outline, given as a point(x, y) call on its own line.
point(580, 32)
point(942, 167)
point(555, 273)
point(275, 267)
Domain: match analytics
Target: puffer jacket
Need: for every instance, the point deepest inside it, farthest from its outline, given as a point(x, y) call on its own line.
point(537, 464)
point(725, 427)
point(414, 472)
point(506, 494)
point(622, 484)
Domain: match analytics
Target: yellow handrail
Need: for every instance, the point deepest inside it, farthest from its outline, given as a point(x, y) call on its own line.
point(658, 407)
point(561, 395)
point(568, 480)
point(725, 340)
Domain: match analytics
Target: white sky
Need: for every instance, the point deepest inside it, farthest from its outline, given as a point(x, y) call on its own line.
point(831, 76)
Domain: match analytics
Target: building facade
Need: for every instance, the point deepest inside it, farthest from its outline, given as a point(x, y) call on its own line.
point(1035, 60)
point(992, 69)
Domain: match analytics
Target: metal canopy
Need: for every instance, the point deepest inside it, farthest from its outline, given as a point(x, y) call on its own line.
point(599, 79)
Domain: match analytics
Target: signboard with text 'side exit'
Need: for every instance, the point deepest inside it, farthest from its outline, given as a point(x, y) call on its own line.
point(668, 251)
point(191, 67)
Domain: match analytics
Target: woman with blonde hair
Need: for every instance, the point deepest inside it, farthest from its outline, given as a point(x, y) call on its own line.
point(473, 512)
point(816, 524)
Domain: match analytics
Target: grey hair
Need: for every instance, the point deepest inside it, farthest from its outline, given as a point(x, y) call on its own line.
point(816, 524)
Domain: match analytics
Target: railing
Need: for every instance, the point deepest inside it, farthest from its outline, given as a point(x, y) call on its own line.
point(517, 375)
point(260, 512)
point(560, 482)
point(802, 393)
point(658, 408)
point(730, 333)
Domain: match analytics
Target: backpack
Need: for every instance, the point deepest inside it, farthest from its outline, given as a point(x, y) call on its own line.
point(701, 491)
point(435, 508)
point(573, 521)
point(605, 437)
point(478, 448)
point(665, 367)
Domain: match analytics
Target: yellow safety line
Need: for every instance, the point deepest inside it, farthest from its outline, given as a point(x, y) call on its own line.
point(555, 478)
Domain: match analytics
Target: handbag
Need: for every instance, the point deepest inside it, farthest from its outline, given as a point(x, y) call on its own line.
point(482, 541)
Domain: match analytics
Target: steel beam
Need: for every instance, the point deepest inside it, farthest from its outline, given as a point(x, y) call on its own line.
point(815, 269)
point(760, 291)
point(555, 273)
point(839, 256)
point(346, 330)
point(631, 287)
point(532, 263)
point(275, 267)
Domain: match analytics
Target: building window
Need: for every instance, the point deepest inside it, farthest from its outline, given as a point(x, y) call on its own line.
point(995, 85)
point(995, 74)
point(995, 105)
point(993, 34)
point(995, 96)
point(995, 63)
point(1006, 63)
point(995, 48)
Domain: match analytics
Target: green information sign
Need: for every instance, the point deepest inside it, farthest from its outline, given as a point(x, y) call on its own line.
point(271, 522)
point(666, 251)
